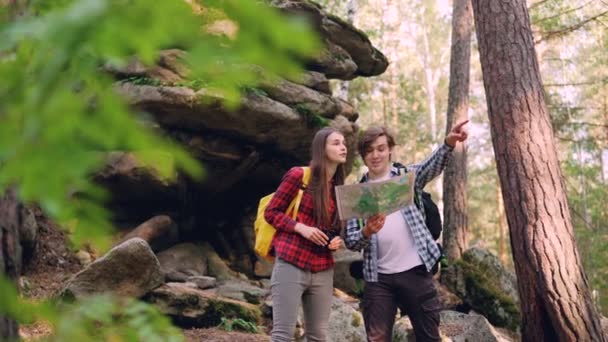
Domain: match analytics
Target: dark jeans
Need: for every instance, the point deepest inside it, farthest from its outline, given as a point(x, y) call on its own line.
point(412, 291)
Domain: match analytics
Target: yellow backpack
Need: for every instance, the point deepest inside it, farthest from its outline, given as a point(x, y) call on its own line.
point(264, 232)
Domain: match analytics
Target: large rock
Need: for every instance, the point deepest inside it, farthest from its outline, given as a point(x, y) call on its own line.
point(182, 261)
point(485, 285)
point(216, 266)
point(245, 149)
point(353, 42)
point(335, 62)
point(129, 269)
point(345, 323)
point(242, 291)
point(314, 80)
point(169, 68)
point(462, 327)
point(258, 120)
point(456, 327)
point(191, 307)
point(139, 191)
point(342, 278)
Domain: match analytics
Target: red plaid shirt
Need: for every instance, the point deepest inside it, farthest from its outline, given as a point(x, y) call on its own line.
point(289, 245)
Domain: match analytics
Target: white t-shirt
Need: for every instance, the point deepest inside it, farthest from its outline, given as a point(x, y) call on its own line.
point(397, 251)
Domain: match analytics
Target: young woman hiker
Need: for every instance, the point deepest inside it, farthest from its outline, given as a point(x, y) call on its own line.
point(303, 268)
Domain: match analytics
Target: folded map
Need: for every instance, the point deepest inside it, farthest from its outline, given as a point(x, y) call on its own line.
point(367, 199)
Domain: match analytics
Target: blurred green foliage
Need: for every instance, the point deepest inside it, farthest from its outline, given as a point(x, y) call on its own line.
point(60, 116)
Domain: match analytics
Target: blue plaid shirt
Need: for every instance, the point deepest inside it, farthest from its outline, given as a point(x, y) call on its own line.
point(427, 247)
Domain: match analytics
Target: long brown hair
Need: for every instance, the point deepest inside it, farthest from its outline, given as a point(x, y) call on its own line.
point(320, 188)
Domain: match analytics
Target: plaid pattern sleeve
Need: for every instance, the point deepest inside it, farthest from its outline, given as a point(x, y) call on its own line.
point(432, 166)
point(354, 238)
point(289, 245)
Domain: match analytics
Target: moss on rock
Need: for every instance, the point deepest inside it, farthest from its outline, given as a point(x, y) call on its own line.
point(484, 294)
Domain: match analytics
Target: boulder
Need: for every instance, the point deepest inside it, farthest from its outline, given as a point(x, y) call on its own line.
point(485, 285)
point(461, 327)
point(368, 60)
point(345, 323)
point(245, 149)
point(242, 291)
point(456, 327)
point(182, 261)
point(202, 282)
point(342, 278)
point(129, 269)
point(191, 307)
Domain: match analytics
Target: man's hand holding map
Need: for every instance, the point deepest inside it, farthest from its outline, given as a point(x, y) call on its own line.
point(367, 199)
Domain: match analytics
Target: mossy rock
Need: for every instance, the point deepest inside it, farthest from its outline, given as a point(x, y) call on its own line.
point(215, 310)
point(484, 292)
point(191, 307)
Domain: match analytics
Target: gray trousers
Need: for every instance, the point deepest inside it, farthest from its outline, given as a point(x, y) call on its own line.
point(291, 285)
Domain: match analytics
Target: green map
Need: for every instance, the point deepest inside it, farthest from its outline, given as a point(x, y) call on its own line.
point(367, 199)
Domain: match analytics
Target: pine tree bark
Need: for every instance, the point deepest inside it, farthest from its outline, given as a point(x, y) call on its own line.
point(455, 232)
point(10, 254)
point(556, 303)
point(502, 229)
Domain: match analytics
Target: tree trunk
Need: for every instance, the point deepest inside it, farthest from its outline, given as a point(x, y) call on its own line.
point(502, 229)
point(10, 254)
point(455, 232)
point(430, 81)
point(556, 303)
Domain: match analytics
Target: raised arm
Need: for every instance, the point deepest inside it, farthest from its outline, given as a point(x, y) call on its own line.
point(436, 162)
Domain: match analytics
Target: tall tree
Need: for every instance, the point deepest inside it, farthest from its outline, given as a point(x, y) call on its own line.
point(502, 227)
point(556, 303)
point(455, 233)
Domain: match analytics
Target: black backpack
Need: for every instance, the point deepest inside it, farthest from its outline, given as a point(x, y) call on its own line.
point(433, 219)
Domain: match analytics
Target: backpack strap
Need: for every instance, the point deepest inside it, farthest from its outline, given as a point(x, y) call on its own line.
point(306, 176)
point(296, 203)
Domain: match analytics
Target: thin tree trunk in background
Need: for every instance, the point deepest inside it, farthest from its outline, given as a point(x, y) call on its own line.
point(10, 254)
point(456, 230)
point(583, 183)
point(604, 161)
point(556, 302)
point(430, 81)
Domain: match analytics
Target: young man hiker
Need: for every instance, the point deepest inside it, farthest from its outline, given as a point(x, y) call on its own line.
point(398, 250)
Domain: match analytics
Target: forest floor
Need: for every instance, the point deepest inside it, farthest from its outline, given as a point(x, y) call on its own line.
point(54, 262)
